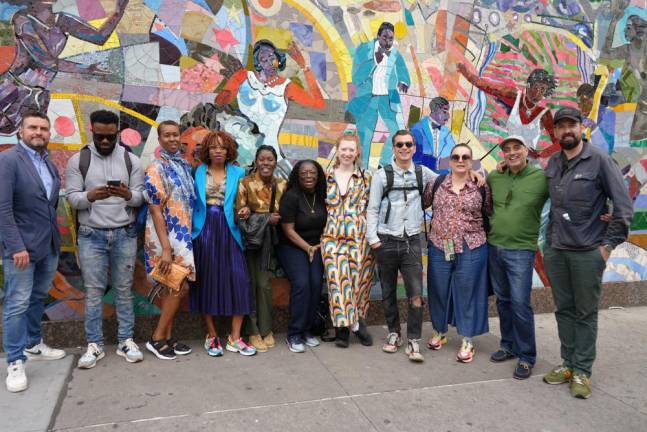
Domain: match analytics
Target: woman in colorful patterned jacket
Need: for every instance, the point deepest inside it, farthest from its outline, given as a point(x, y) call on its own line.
point(348, 260)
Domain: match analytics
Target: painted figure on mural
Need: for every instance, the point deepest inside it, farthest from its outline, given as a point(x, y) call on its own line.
point(41, 35)
point(527, 116)
point(433, 138)
point(631, 58)
point(379, 74)
point(592, 119)
point(263, 94)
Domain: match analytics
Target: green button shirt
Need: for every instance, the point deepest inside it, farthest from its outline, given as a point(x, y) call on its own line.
point(517, 203)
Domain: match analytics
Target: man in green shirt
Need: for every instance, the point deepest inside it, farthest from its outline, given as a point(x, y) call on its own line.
point(518, 194)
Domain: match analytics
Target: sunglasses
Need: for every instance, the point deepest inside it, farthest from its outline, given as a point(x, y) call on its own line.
point(101, 137)
point(463, 158)
point(401, 144)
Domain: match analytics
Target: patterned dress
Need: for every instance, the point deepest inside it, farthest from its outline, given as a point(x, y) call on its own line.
point(168, 183)
point(348, 260)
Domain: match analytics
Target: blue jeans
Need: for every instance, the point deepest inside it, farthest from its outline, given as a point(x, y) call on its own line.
point(511, 277)
point(24, 304)
point(100, 251)
point(306, 283)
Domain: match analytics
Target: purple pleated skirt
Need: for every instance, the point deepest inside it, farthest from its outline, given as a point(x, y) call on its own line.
point(222, 285)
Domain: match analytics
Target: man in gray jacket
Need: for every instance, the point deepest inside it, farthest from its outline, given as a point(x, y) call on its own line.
point(104, 183)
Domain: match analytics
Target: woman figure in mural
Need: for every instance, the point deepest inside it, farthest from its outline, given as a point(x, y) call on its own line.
point(527, 116)
point(631, 58)
point(41, 36)
point(263, 94)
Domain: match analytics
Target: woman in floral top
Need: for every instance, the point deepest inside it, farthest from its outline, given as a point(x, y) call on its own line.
point(170, 194)
point(457, 270)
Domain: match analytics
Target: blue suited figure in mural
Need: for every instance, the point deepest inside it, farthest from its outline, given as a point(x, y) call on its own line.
point(434, 140)
point(379, 74)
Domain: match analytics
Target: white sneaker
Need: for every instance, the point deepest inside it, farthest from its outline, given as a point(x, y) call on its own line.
point(93, 354)
point(129, 350)
point(16, 379)
point(41, 351)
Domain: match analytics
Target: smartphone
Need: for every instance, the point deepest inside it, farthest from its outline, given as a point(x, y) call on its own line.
point(114, 183)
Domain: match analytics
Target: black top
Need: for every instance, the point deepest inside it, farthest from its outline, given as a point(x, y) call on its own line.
point(296, 207)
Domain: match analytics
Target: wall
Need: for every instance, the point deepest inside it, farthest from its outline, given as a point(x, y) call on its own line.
point(153, 60)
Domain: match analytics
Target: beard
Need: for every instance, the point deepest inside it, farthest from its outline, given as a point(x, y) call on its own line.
point(571, 144)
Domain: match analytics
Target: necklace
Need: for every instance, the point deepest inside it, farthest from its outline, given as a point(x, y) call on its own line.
point(314, 200)
point(271, 81)
point(527, 109)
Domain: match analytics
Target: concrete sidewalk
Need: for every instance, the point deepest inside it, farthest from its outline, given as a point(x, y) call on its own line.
point(357, 389)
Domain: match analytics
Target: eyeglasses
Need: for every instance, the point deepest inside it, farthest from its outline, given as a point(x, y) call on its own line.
point(457, 158)
point(401, 144)
point(101, 137)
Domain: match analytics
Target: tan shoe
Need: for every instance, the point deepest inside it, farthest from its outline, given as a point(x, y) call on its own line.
point(257, 342)
point(269, 340)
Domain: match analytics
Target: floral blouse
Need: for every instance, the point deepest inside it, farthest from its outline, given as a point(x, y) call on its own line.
point(458, 217)
point(255, 194)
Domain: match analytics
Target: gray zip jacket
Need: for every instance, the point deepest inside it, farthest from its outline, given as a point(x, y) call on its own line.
point(113, 212)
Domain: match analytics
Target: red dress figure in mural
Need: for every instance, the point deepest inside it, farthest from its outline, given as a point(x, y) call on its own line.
point(41, 36)
point(263, 94)
point(527, 116)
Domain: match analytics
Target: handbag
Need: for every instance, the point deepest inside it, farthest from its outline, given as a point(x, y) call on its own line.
point(173, 279)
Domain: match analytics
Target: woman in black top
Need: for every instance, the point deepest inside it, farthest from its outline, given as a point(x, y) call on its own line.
point(303, 218)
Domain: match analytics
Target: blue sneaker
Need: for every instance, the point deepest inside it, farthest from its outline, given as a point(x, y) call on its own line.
point(295, 345)
point(240, 347)
point(213, 347)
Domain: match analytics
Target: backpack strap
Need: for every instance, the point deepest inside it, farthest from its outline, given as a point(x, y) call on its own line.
point(273, 196)
point(84, 161)
point(388, 170)
point(129, 164)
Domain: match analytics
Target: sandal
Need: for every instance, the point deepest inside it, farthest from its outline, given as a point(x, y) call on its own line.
point(161, 349)
point(179, 347)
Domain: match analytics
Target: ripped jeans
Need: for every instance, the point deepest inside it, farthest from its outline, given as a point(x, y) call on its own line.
point(103, 252)
point(404, 255)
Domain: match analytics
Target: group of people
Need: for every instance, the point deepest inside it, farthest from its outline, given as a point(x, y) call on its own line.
point(230, 231)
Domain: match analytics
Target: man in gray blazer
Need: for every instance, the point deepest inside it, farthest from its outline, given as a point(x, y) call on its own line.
point(29, 244)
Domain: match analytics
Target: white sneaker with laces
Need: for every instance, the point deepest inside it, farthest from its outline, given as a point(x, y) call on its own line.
point(16, 379)
point(413, 351)
point(129, 350)
point(92, 355)
point(41, 351)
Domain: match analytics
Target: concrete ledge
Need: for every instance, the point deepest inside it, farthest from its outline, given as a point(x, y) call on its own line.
point(190, 326)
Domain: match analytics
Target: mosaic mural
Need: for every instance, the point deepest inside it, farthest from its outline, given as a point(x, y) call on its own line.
point(296, 73)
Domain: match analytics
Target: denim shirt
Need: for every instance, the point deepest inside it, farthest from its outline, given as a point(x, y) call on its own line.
point(406, 213)
point(40, 164)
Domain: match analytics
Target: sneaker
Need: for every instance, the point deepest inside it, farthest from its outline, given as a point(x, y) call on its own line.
point(92, 355)
point(342, 336)
point(295, 345)
point(129, 350)
point(161, 349)
point(363, 335)
point(522, 371)
point(213, 346)
point(257, 342)
point(393, 342)
point(436, 341)
point(312, 341)
point(501, 356)
point(466, 352)
point(559, 375)
point(16, 379)
point(580, 386)
point(413, 351)
point(240, 347)
point(269, 340)
point(40, 351)
point(178, 347)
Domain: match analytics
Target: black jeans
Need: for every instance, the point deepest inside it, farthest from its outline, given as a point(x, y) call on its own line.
point(404, 255)
point(306, 283)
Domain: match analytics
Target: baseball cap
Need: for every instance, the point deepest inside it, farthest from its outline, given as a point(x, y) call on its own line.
point(567, 113)
point(518, 138)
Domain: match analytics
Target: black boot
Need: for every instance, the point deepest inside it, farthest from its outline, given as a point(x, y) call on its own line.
point(363, 335)
point(342, 339)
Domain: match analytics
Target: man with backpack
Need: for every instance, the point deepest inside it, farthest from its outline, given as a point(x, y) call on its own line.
point(104, 183)
point(518, 194)
point(394, 221)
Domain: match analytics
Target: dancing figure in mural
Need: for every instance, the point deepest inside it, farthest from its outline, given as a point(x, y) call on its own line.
point(263, 94)
point(594, 133)
point(631, 58)
point(434, 140)
point(41, 36)
point(379, 74)
point(527, 116)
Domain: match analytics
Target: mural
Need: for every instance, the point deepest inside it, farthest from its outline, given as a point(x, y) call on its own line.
point(296, 73)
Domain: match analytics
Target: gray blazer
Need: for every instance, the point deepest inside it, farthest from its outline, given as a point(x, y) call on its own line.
point(27, 216)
